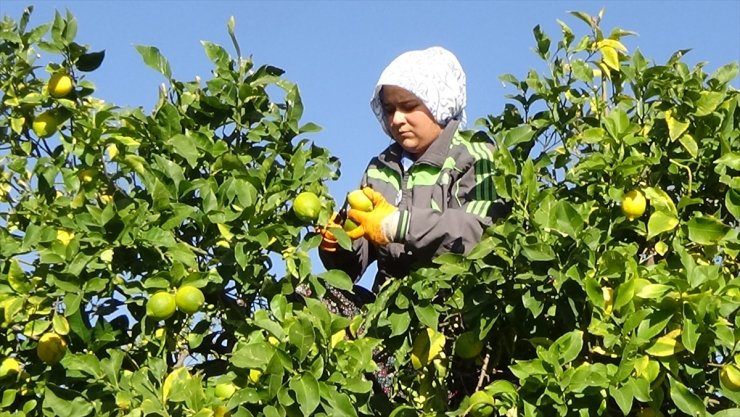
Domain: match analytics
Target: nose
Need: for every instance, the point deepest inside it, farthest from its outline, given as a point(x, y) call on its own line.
point(397, 118)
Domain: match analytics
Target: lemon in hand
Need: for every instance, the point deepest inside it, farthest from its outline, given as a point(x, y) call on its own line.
point(633, 204)
point(359, 201)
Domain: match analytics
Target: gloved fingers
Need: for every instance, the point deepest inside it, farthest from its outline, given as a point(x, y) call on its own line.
point(356, 233)
point(374, 196)
point(358, 216)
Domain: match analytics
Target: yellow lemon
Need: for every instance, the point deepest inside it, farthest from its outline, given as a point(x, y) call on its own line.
point(730, 377)
point(359, 201)
point(59, 85)
point(10, 366)
point(51, 348)
point(161, 306)
point(633, 204)
point(45, 124)
point(189, 299)
point(307, 206)
point(254, 375)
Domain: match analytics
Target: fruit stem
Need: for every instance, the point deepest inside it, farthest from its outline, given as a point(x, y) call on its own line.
point(688, 170)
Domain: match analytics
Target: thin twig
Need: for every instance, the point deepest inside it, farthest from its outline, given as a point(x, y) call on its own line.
point(483, 374)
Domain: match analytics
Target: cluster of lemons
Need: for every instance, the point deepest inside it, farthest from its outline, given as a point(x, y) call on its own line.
point(47, 123)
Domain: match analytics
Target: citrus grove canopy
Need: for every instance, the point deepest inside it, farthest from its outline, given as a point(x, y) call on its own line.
point(138, 244)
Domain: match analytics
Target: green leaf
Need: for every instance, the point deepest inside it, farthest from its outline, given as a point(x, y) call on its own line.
point(706, 230)
point(732, 202)
point(623, 396)
point(676, 127)
point(708, 102)
point(538, 252)
point(685, 400)
point(17, 278)
point(543, 42)
point(617, 123)
point(690, 334)
point(301, 334)
point(427, 315)
point(217, 54)
point(337, 278)
point(689, 143)
point(255, 355)
point(154, 59)
point(568, 346)
point(653, 291)
point(518, 135)
point(90, 61)
point(610, 56)
point(306, 389)
point(661, 222)
point(62, 407)
point(726, 73)
point(730, 160)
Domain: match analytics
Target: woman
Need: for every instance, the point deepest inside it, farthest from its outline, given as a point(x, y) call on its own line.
point(432, 189)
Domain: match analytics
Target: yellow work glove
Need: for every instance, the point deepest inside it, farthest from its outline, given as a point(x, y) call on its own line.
point(328, 240)
point(378, 225)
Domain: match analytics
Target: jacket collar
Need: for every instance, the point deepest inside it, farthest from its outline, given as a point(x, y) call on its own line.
point(435, 154)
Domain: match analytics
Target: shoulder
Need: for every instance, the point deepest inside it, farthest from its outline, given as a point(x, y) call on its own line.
point(471, 146)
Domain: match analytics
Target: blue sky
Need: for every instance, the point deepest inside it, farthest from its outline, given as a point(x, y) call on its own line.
point(335, 50)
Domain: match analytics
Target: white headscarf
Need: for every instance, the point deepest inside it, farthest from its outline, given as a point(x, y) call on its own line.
point(434, 75)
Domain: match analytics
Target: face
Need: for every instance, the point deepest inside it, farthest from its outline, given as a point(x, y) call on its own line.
point(408, 120)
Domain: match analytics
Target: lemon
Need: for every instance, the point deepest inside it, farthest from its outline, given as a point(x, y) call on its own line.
point(633, 204)
point(189, 299)
point(468, 346)
point(359, 201)
point(349, 225)
point(729, 375)
point(10, 366)
point(481, 404)
point(45, 124)
point(307, 206)
point(225, 390)
point(161, 306)
point(59, 85)
point(51, 348)
point(254, 375)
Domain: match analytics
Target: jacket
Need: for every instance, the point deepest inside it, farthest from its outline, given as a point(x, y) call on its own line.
point(446, 199)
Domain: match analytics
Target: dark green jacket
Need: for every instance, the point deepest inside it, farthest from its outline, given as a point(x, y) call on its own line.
point(446, 200)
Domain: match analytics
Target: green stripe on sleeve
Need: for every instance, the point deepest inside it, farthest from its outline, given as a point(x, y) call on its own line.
point(386, 175)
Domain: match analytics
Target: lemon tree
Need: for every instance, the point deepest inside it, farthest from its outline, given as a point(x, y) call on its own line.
point(610, 287)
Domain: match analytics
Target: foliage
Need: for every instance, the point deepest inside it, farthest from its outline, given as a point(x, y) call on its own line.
point(580, 310)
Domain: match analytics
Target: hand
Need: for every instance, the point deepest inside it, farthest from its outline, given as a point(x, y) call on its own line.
point(328, 240)
point(378, 225)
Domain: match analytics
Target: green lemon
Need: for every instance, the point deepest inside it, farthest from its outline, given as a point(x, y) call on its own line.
point(307, 206)
point(161, 306)
point(189, 299)
point(468, 346)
